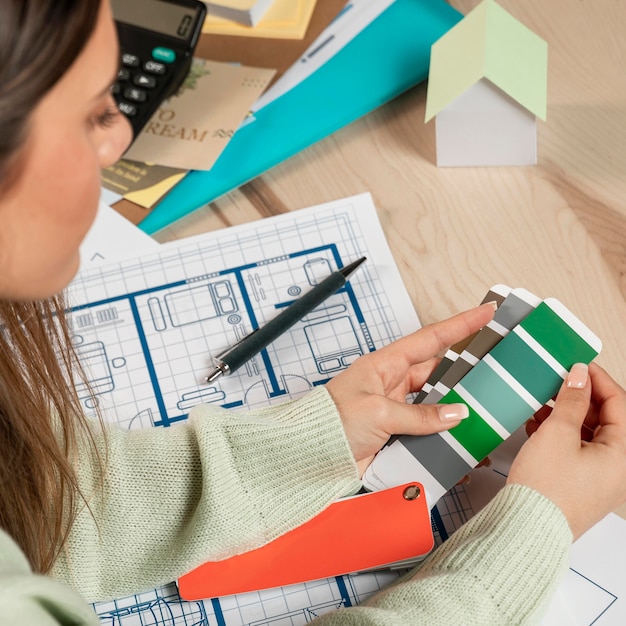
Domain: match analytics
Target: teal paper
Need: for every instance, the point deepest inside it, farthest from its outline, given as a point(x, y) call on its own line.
point(388, 57)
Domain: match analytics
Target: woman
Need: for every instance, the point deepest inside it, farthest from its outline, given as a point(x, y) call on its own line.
point(109, 513)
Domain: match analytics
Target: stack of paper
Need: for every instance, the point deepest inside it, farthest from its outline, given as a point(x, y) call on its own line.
point(371, 52)
point(284, 19)
point(189, 131)
point(247, 12)
point(134, 187)
point(324, 91)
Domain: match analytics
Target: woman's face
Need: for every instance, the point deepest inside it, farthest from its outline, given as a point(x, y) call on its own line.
point(74, 132)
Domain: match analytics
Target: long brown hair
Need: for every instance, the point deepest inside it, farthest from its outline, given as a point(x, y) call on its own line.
point(41, 421)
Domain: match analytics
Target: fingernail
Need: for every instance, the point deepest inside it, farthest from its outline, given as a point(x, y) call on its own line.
point(453, 412)
point(577, 377)
point(494, 304)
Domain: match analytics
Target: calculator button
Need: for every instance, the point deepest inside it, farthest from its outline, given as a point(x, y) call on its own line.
point(130, 60)
point(115, 89)
point(141, 80)
point(165, 55)
point(123, 74)
point(154, 68)
point(136, 95)
point(127, 109)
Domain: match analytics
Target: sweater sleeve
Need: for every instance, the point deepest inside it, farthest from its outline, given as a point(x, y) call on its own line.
point(222, 483)
point(501, 567)
point(36, 600)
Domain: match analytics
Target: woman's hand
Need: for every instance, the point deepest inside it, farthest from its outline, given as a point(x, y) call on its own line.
point(371, 393)
point(576, 455)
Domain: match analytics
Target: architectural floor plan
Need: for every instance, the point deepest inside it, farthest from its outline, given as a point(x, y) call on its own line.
point(146, 329)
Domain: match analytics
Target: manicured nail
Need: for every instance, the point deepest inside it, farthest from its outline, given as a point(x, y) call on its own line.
point(453, 412)
point(577, 377)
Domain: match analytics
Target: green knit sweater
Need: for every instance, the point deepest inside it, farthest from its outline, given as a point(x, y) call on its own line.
point(226, 482)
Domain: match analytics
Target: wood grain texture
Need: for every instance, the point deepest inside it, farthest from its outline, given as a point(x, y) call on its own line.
point(557, 229)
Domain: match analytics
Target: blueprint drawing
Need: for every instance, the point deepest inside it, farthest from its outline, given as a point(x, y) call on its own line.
point(147, 328)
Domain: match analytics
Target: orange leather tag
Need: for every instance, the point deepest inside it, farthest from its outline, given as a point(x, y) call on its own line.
point(356, 533)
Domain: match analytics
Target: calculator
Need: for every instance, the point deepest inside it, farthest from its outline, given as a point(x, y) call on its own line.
point(157, 40)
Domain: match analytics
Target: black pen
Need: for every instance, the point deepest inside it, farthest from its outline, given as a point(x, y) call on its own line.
point(233, 358)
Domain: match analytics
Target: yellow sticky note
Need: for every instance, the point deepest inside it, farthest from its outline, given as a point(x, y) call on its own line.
point(285, 19)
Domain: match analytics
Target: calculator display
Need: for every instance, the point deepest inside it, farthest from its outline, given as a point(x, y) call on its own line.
point(174, 20)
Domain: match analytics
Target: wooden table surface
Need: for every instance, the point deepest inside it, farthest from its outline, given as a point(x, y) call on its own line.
point(557, 229)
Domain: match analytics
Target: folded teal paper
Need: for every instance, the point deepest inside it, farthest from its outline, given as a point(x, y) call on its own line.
point(388, 57)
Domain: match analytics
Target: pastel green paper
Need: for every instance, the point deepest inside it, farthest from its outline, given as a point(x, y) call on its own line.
point(489, 43)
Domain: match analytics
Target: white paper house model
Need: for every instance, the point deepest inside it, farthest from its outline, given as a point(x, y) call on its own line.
point(487, 84)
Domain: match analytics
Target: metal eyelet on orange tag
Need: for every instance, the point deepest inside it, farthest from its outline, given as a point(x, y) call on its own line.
point(412, 492)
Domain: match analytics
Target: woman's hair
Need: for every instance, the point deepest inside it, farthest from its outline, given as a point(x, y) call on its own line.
point(41, 421)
